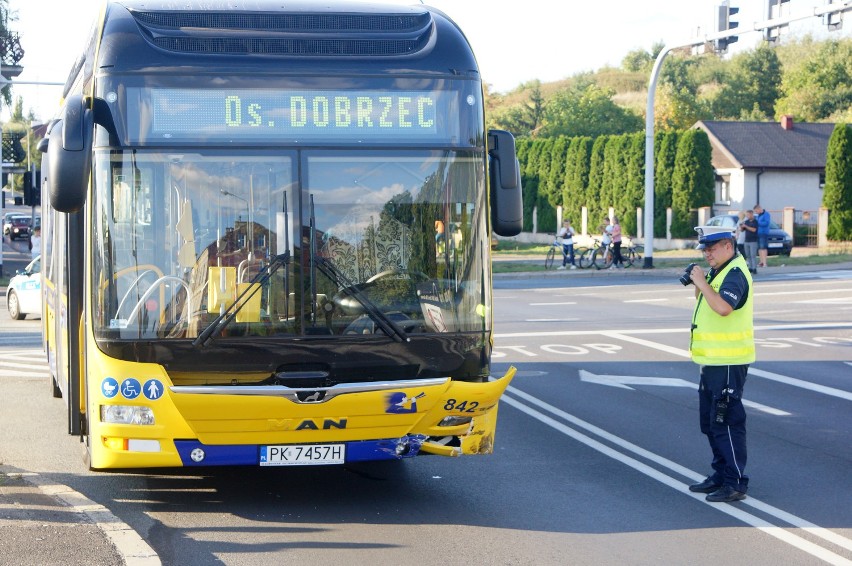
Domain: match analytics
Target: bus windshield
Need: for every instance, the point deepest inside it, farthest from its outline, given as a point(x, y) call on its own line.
point(315, 242)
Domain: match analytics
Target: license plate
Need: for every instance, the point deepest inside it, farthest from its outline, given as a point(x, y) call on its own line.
point(775, 245)
point(302, 454)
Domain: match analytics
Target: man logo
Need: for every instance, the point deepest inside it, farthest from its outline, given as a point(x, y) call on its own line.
point(307, 424)
point(310, 396)
point(327, 424)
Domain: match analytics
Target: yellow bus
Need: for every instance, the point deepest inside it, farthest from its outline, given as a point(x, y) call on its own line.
point(268, 237)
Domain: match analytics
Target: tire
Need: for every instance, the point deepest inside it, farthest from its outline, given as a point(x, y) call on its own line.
point(14, 306)
point(585, 260)
point(629, 257)
point(548, 261)
point(602, 259)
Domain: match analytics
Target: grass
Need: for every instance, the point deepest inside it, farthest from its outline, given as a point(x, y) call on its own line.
point(533, 258)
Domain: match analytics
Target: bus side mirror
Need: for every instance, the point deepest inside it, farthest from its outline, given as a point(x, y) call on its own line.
point(505, 179)
point(69, 153)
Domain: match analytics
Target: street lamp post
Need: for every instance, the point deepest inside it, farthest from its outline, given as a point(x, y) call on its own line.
point(832, 8)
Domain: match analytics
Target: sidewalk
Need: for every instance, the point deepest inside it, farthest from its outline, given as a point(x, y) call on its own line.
point(42, 522)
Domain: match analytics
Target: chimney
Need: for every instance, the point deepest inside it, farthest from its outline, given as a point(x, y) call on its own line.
point(787, 122)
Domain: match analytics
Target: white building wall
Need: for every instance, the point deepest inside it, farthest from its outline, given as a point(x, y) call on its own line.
point(778, 189)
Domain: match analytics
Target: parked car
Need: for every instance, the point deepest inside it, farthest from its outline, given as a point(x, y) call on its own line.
point(16, 226)
point(780, 242)
point(23, 296)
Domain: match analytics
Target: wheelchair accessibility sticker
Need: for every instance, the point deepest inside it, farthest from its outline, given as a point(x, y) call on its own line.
point(130, 388)
point(109, 387)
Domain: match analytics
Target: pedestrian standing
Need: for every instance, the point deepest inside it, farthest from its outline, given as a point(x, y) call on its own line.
point(35, 242)
point(749, 228)
point(741, 233)
point(763, 222)
point(722, 343)
point(566, 234)
point(617, 260)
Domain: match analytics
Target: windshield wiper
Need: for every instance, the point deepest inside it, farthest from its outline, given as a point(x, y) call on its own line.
point(227, 316)
point(389, 327)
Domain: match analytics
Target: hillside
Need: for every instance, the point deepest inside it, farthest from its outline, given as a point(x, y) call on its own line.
point(809, 79)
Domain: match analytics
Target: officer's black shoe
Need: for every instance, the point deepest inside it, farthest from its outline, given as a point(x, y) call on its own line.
point(707, 486)
point(725, 494)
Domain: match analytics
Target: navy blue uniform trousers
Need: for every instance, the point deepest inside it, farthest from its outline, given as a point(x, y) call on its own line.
point(728, 438)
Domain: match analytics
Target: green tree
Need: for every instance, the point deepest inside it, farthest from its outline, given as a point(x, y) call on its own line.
point(819, 85)
point(753, 86)
point(637, 60)
point(665, 149)
point(692, 181)
point(679, 109)
point(612, 181)
point(556, 176)
point(634, 187)
point(596, 176)
point(837, 195)
point(577, 178)
point(587, 110)
point(525, 118)
point(530, 182)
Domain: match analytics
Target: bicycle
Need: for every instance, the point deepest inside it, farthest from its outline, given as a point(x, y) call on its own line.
point(602, 255)
point(551, 254)
point(632, 254)
point(587, 254)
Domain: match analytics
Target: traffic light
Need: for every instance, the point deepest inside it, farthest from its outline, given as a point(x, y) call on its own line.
point(724, 23)
point(28, 189)
point(773, 11)
point(834, 20)
point(32, 189)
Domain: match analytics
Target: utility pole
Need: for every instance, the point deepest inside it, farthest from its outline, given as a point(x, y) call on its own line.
point(727, 32)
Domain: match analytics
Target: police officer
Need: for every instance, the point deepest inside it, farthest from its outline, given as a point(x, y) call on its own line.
point(722, 343)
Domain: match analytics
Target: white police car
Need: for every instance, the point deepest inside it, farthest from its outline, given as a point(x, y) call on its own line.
point(23, 296)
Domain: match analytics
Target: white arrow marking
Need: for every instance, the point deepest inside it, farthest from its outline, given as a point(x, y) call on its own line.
point(624, 382)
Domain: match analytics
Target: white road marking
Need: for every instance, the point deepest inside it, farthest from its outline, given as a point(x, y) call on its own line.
point(751, 370)
point(809, 292)
point(625, 381)
point(828, 301)
point(732, 510)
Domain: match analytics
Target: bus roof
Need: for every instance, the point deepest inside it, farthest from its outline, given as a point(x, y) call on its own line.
point(339, 38)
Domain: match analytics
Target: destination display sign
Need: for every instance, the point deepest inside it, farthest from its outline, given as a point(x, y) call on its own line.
point(300, 115)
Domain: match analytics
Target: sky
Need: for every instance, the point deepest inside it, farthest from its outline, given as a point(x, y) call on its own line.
point(515, 41)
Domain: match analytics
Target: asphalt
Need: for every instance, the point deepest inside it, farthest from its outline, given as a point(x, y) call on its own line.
point(43, 522)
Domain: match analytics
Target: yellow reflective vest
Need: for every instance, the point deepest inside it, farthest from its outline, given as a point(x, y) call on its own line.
point(724, 340)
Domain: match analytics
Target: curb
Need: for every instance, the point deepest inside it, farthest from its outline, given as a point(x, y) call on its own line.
point(132, 548)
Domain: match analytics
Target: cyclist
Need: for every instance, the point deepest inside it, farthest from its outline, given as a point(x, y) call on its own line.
point(566, 234)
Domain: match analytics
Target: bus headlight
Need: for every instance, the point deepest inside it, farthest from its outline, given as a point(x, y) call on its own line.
point(454, 421)
point(127, 414)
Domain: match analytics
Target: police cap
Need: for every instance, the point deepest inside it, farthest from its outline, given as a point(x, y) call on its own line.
point(712, 234)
